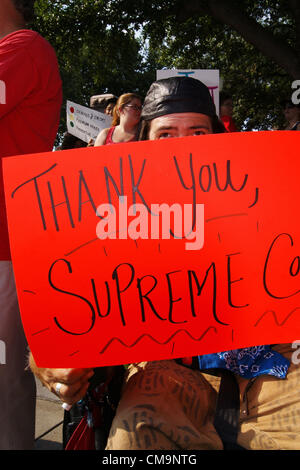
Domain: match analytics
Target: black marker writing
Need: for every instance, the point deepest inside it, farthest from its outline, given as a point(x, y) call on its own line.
point(206, 177)
point(116, 277)
point(65, 202)
point(293, 270)
point(134, 299)
point(108, 177)
point(83, 184)
point(171, 298)
point(92, 313)
point(230, 282)
point(192, 276)
point(34, 179)
point(145, 295)
point(135, 185)
point(191, 188)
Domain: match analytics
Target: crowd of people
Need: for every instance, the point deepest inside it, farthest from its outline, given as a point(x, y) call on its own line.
point(170, 404)
point(126, 122)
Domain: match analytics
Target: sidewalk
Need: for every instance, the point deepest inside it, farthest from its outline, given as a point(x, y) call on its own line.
point(49, 413)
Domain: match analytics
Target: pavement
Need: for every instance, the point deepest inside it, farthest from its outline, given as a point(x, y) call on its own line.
point(49, 416)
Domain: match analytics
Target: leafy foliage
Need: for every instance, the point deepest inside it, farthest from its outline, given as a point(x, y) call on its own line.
point(116, 46)
point(94, 57)
point(256, 84)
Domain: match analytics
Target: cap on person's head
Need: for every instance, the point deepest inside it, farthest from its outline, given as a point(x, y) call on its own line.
point(177, 95)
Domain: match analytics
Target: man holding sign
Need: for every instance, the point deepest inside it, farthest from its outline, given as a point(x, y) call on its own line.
point(181, 404)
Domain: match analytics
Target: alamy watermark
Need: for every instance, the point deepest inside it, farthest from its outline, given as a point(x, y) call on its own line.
point(296, 94)
point(140, 222)
point(2, 353)
point(296, 354)
point(2, 92)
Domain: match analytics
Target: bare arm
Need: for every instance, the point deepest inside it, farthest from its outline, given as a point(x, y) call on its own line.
point(101, 138)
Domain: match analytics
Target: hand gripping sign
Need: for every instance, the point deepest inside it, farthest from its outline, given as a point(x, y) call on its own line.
point(153, 250)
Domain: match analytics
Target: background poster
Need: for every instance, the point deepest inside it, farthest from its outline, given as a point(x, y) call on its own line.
point(85, 123)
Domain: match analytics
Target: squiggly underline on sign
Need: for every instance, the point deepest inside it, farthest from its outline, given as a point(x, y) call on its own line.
point(273, 314)
point(155, 340)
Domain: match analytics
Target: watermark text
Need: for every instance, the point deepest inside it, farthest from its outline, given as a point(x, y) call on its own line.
point(162, 222)
point(2, 92)
point(296, 354)
point(2, 353)
point(296, 94)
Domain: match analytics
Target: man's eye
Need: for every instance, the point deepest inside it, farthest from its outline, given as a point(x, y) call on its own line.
point(165, 135)
point(198, 133)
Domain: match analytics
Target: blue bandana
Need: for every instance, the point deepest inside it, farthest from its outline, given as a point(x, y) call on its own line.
point(248, 362)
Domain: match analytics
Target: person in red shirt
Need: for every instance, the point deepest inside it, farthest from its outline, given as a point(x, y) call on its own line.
point(291, 113)
point(226, 109)
point(30, 102)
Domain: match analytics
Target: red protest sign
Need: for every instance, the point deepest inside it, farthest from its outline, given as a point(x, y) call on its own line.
point(194, 247)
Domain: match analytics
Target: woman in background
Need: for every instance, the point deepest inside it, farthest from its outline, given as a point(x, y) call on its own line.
point(125, 122)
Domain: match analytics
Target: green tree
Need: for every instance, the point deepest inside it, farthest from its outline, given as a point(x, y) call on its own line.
point(254, 44)
point(117, 45)
point(94, 57)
